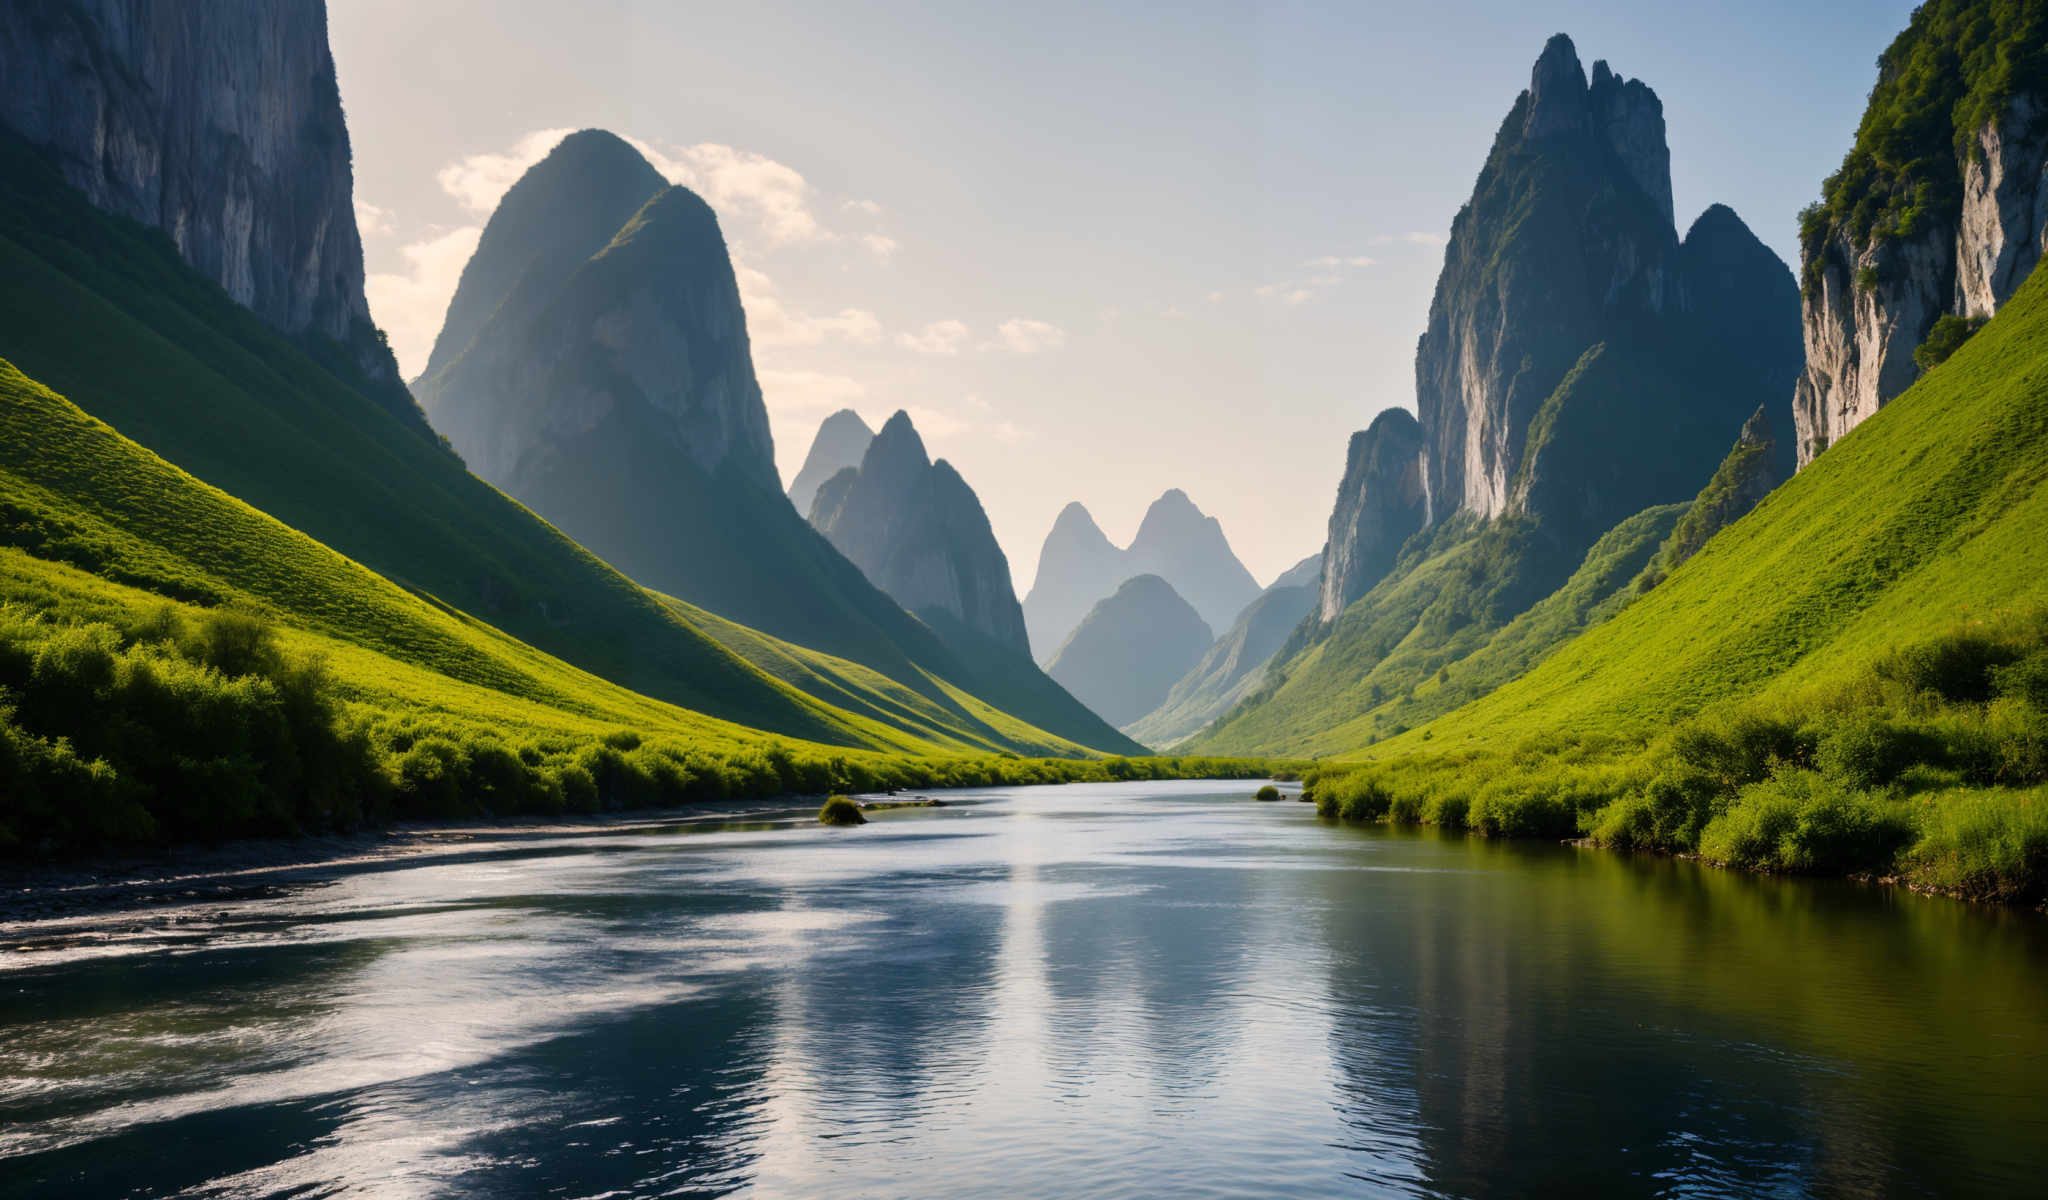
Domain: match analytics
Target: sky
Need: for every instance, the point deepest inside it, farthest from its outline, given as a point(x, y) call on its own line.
point(1095, 253)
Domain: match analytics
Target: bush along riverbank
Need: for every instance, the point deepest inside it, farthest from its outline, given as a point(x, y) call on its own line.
point(171, 729)
point(1927, 768)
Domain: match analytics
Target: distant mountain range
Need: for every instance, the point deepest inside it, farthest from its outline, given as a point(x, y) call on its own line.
point(1079, 566)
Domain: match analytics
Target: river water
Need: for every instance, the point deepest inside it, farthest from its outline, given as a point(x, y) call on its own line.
point(1089, 990)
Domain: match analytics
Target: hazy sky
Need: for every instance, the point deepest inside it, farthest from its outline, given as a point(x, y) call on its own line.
point(1096, 253)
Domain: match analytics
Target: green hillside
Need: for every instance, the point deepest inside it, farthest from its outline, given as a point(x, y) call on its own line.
point(105, 313)
point(1852, 677)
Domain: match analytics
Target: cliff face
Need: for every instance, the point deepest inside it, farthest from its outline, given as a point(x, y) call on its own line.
point(841, 441)
point(1382, 500)
point(1131, 649)
point(1581, 362)
point(1939, 208)
point(1568, 232)
point(1759, 462)
point(218, 123)
point(918, 532)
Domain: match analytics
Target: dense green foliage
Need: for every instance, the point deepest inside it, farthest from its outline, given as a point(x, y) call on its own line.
point(1268, 792)
point(1929, 765)
point(1948, 75)
point(1945, 338)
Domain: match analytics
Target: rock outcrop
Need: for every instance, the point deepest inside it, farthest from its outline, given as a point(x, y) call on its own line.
point(1940, 207)
point(1131, 649)
point(918, 532)
point(220, 124)
point(841, 441)
point(1079, 566)
point(1382, 501)
point(1235, 664)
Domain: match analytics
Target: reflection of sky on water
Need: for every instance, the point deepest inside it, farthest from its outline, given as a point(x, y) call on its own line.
point(1130, 990)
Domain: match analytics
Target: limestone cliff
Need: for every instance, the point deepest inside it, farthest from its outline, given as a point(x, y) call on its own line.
point(1382, 501)
point(1939, 208)
point(220, 124)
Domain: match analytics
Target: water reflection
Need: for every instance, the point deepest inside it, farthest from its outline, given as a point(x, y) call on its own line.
point(1128, 990)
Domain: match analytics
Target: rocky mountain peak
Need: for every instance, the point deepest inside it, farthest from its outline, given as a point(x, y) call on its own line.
point(564, 209)
point(1381, 502)
point(917, 531)
point(841, 443)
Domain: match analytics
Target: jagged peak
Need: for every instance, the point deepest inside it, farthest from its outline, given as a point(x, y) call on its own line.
point(1387, 422)
point(1757, 430)
point(845, 418)
point(896, 448)
point(1718, 219)
point(675, 213)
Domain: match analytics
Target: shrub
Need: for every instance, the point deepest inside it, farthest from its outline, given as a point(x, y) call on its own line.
point(1984, 845)
point(841, 810)
point(1867, 751)
point(1956, 668)
point(1945, 338)
point(1801, 821)
point(1268, 792)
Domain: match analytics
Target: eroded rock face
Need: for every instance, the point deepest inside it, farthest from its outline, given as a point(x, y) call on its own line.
point(1381, 502)
point(1568, 232)
point(1869, 303)
point(218, 123)
point(918, 532)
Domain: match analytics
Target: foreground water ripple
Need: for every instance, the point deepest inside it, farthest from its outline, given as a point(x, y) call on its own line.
point(1102, 990)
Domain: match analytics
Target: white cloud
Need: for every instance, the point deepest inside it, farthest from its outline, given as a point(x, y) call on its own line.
point(882, 244)
point(770, 322)
point(939, 337)
point(1026, 336)
point(1332, 261)
point(1426, 239)
point(863, 206)
point(479, 181)
point(768, 195)
point(409, 307)
point(1215, 297)
point(1297, 296)
point(372, 221)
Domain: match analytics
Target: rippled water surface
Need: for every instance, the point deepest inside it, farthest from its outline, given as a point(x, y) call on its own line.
point(1123, 990)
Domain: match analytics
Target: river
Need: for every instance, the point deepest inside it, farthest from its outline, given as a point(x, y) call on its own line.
point(1161, 989)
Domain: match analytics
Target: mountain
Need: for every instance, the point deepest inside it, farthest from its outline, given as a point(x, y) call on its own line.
point(1078, 566)
point(546, 225)
point(1130, 649)
point(841, 441)
point(1184, 546)
point(1235, 664)
point(615, 396)
point(1582, 365)
point(1938, 211)
point(1760, 461)
point(221, 125)
point(917, 531)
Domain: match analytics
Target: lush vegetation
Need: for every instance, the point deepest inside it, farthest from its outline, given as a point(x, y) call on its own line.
point(1267, 792)
point(1941, 81)
point(1929, 765)
point(840, 810)
point(1944, 339)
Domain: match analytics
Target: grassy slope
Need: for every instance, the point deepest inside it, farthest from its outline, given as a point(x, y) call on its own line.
point(103, 311)
point(73, 490)
point(1930, 514)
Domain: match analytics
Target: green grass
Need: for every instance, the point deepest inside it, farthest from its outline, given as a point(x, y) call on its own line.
point(105, 313)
